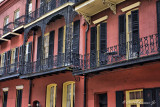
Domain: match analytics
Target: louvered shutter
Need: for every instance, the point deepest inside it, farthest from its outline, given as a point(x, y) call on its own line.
point(5, 95)
point(19, 98)
point(103, 100)
point(158, 23)
point(122, 35)
point(51, 48)
point(39, 48)
point(8, 61)
point(75, 45)
point(135, 31)
point(103, 43)
point(20, 58)
point(119, 99)
point(60, 46)
point(16, 59)
point(147, 96)
point(157, 99)
point(93, 47)
point(103, 37)
point(29, 51)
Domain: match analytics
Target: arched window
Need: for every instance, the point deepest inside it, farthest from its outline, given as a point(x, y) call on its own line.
point(68, 94)
point(51, 95)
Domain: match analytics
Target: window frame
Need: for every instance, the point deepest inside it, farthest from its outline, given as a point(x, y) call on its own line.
point(6, 21)
point(3, 96)
point(129, 101)
point(64, 102)
point(48, 95)
point(127, 32)
point(15, 14)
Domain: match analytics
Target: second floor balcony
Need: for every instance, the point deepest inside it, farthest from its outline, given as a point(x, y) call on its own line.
point(146, 49)
point(46, 66)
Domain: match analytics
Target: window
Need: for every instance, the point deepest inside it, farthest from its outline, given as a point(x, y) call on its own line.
point(68, 94)
point(134, 98)
point(30, 7)
point(19, 96)
point(6, 20)
point(13, 53)
point(129, 44)
point(16, 14)
point(28, 52)
point(102, 100)
point(98, 44)
point(5, 95)
point(2, 59)
point(46, 45)
point(51, 95)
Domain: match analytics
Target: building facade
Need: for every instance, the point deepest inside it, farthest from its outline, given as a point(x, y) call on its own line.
point(79, 53)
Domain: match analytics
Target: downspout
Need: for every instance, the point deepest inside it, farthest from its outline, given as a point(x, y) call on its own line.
point(30, 91)
point(85, 79)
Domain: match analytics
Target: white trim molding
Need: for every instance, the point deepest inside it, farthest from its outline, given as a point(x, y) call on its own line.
point(19, 87)
point(5, 89)
point(100, 19)
point(131, 6)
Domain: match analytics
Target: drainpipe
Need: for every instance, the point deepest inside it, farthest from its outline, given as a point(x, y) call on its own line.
point(85, 79)
point(30, 91)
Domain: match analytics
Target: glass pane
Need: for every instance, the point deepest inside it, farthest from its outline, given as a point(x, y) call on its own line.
point(69, 95)
point(52, 97)
point(133, 105)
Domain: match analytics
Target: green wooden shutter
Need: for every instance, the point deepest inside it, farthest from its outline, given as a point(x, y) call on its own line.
point(75, 44)
point(158, 23)
point(157, 99)
point(103, 44)
point(119, 99)
point(39, 48)
point(5, 62)
point(103, 100)
point(122, 35)
point(51, 48)
point(19, 98)
point(148, 97)
point(93, 47)
point(60, 46)
point(8, 61)
point(103, 37)
point(16, 59)
point(20, 58)
point(135, 31)
point(5, 95)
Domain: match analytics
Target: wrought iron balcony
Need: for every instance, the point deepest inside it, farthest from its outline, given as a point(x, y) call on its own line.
point(9, 71)
point(8, 28)
point(143, 50)
point(1, 32)
point(19, 21)
point(45, 8)
point(51, 64)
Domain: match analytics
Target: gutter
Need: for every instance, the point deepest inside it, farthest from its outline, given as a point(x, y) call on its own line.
point(85, 79)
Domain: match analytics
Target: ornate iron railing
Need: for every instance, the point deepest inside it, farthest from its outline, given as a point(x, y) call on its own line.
point(145, 46)
point(8, 28)
point(45, 8)
point(1, 32)
point(52, 62)
point(19, 21)
point(10, 69)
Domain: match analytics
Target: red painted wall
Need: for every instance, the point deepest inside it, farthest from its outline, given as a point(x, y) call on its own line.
point(11, 84)
point(40, 86)
point(147, 21)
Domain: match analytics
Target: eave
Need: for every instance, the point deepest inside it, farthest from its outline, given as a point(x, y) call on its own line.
point(92, 7)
